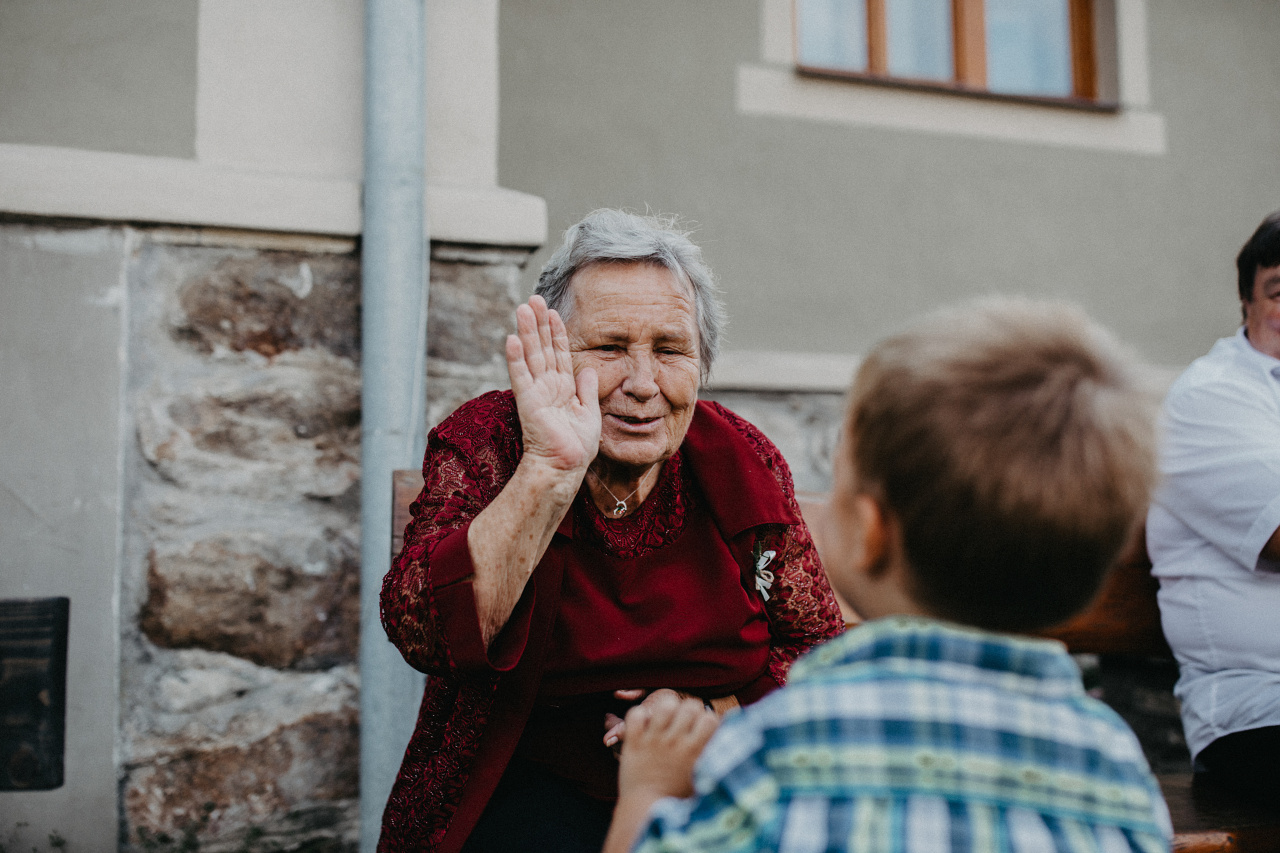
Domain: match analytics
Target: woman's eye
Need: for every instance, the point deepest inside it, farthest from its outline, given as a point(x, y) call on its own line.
point(609, 348)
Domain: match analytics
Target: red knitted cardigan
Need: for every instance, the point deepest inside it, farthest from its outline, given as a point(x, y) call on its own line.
point(477, 700)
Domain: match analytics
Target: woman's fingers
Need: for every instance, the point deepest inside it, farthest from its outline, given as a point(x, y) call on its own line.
point(545, 337)
point(560, 343)
point(517, 368)
point(613, 729)
point(588, 389)
point(530, 339)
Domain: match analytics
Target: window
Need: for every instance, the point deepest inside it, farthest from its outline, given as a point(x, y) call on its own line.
point(1039, 49)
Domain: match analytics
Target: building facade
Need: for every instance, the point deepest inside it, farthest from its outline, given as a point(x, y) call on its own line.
point(180, 285)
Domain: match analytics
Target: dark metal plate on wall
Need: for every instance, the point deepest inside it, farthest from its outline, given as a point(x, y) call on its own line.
point(33, 692)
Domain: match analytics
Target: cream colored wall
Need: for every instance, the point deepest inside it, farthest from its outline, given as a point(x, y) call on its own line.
point(846, 209)
point(276, 94)
point(62, 314)
point(103, 75)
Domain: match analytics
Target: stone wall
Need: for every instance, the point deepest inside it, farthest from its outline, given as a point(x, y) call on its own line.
point(804, 425)
point(240, 598)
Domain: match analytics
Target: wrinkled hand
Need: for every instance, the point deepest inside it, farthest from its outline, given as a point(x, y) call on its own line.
point(559, 415)
point(666, 736)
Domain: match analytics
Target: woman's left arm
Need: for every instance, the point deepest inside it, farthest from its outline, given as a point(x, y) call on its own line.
point(802, 608)
point(803, 611)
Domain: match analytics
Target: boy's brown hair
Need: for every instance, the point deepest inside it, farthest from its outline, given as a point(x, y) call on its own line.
point(1013, 444)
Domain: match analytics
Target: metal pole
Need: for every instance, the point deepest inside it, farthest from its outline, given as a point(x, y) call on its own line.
point(393, 346)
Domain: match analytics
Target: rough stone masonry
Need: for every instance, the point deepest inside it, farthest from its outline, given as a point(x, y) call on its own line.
point(240, 585)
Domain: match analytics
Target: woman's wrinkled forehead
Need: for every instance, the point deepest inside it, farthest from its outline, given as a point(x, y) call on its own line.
point(630, 296)
point(676, 276)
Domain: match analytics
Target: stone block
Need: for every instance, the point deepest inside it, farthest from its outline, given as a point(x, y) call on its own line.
point(235, 594)
point(285, 429)
point(472, 305)
point(273, 302)
point(299, 783)
point(193, 699)
point(449, 387)
point(242, 555)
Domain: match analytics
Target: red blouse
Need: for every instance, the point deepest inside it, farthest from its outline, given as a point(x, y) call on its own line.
point(663, 598)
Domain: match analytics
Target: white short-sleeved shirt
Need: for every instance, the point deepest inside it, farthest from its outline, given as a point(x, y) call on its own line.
point(1217, 505)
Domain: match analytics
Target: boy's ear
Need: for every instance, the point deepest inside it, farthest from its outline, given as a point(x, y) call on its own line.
point(876, 535)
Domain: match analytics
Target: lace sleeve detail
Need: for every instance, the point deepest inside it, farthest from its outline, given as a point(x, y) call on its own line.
point(803, 612)
point(470, 457)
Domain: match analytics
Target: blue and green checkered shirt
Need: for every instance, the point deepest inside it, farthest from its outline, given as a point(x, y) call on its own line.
point(914, 735)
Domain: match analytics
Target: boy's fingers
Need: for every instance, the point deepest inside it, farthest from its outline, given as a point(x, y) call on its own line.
point(637, 719)
point(692, 711)
point(706, 726)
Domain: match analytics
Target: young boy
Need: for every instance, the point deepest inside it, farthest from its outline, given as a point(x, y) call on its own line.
point(993, 463)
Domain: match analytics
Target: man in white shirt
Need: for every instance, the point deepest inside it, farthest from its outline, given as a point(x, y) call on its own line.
point(1214, 540)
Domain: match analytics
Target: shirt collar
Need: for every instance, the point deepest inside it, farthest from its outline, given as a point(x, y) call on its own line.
point(1254, 356)
point(900, 643)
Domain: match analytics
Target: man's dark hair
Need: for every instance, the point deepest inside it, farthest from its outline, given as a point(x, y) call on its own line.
point(1262, 250)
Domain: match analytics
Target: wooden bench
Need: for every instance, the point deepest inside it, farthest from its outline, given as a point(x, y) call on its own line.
point(1124, 620)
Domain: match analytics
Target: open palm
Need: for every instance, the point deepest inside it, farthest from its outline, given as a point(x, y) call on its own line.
point(559, 415)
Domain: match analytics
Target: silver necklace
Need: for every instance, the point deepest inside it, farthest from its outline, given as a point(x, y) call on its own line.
point(620, 505)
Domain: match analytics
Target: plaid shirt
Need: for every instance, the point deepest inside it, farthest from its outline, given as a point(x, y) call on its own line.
point(914, 735)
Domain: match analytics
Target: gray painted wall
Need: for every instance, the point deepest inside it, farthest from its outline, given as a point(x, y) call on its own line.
point(103, 75)
point(61, 325)
point(825, 237)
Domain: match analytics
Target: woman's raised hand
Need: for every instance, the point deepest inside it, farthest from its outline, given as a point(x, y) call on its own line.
point(559, 415)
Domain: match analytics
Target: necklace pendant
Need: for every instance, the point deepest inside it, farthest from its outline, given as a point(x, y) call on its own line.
point(619, 509)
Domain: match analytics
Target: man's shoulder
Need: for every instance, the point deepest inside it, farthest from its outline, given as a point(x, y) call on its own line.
point(1230, 372)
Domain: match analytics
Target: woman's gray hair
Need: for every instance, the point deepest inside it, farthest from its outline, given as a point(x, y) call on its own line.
point(606, 235)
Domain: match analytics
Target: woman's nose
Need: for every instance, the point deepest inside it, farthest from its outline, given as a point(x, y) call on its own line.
point(641, 381)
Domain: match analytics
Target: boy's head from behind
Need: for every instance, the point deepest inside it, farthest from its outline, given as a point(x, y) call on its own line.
point(996, 458)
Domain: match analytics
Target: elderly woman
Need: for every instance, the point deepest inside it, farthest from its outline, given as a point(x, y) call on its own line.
point(590, 537)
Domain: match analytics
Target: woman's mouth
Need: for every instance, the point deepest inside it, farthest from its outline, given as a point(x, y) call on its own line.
point(636, 422)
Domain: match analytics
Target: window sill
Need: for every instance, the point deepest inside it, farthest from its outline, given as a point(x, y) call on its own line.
point(953, 89)
point(780, 92)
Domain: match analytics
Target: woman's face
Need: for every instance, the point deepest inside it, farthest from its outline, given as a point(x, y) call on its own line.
point(635, 324)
